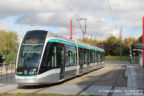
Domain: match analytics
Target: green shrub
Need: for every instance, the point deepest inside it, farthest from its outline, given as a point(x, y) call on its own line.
point(11, 57)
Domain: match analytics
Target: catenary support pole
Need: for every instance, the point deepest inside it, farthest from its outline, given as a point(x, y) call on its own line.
point(70, 29)
point(143, 41)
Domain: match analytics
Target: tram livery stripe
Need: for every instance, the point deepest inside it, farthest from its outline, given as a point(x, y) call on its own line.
point(60, 41)
point(26, 76)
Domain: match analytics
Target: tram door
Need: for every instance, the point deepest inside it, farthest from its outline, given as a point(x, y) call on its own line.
point(62, 61)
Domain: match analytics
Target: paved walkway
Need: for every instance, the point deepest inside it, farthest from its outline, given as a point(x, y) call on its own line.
point(134, 74)
point(135, 82)
point(104, 77)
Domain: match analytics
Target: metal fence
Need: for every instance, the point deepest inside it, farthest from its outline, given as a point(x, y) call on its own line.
point(7, 69)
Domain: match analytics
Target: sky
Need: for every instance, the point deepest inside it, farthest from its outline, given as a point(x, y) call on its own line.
point(104, 17)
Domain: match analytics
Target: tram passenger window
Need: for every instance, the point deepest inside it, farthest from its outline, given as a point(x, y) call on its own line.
point(87, 56)
point(54, 58)
point(49, 60)
point(73, 55)
point(85, 60)
point(100, 56)
point(99, 59)
point(103, 56)
point(81, 56)
point(70, 55)
point(91, 56)
point(95, 57)
point(61, 55)
point(67, 53)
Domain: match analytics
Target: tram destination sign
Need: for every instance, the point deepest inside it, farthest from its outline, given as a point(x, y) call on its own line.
point(31, 42)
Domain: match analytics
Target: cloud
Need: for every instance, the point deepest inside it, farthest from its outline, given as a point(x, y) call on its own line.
point(47, 19)
point(4, 27)
point(58, 13)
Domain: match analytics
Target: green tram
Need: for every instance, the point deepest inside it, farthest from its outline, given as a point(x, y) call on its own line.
point(44, 58)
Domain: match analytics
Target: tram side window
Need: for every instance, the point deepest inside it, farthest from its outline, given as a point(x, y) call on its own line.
point(103, 56)
point(91, 56)
point(87, 57)
point(99, 58)
point(70, 55)
point(81, 56)
point(50, 57)
point(96, 57)
point(61, 54)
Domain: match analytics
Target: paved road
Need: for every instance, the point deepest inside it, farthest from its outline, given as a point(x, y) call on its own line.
point(7, 79)
point(93, 83)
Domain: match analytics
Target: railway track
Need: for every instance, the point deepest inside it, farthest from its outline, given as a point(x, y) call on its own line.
point(37, 89)
point(115, 83)
point(43, 87)
point(31, 89)
point(112, 88)
point(88, 86)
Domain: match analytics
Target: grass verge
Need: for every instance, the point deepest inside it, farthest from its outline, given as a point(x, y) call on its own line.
point(117, 58)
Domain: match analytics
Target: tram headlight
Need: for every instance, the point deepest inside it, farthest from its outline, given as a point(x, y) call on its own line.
point(25, 72)
point(32, 71)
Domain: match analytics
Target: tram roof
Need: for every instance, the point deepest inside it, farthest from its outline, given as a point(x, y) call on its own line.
point(51, 34)
point(55, 36)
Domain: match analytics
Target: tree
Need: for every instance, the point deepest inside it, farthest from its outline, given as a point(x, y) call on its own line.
point(116, 51)
point(112, 39)
point(88, 41)
point(8, 42)
point(130, 41)
point(11, 57)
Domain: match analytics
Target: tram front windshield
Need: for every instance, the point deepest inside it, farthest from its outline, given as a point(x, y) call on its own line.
point(30, 53)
